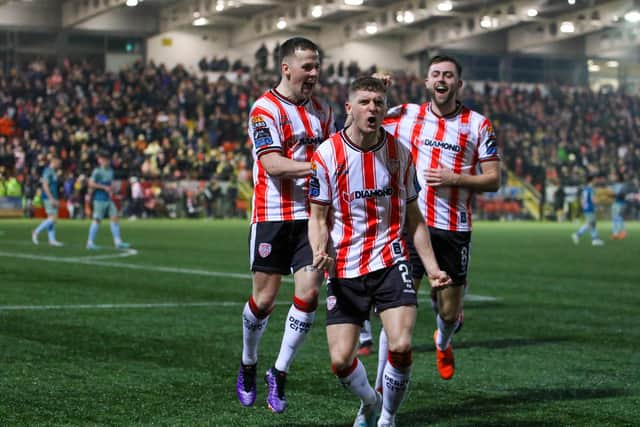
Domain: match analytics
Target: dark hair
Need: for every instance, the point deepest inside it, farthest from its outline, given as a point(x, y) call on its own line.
point(104, 153)
point(289, 47)
point(367, 83)
point(446, 58)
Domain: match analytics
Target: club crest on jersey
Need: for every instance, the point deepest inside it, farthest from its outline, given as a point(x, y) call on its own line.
point(465, 128)
point(331, 302)
point(264, 249)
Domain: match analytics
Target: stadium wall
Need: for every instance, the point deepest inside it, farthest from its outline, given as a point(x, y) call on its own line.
point(188, 47)
point(385, 54)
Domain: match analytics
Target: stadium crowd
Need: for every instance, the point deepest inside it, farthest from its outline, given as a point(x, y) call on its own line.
point(162, 125)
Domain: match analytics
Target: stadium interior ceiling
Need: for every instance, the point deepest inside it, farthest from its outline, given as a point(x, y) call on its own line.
point(593, 27)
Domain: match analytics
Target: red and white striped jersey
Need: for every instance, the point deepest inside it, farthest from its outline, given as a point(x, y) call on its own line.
point(367, 192)
point(459, 142)
point(276, 124)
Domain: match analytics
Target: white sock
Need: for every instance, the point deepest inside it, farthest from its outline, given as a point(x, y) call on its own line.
point(445, 332)
point(396, 383)
point(365, 333)
point(358, 383)
point(383, 350)
point(296, 327)
point(252, 330)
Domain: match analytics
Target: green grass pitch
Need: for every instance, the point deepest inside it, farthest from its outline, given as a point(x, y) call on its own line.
point(154, 337)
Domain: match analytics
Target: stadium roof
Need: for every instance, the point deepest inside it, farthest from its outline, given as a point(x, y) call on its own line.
point(592, 27)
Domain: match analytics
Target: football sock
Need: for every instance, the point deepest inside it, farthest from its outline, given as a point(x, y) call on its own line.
point(44, 224)
point(115, 232)
point(296, 327)
point(93, 230)
point(582, 230)
point(382, 358)
point(354, 379)
point(395, 383)
point(445, 332)
point(254, 323)
point(51, 231)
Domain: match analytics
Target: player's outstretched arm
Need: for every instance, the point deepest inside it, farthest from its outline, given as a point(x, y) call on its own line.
point(279, 166)
point(422, 241)
point(319, 236)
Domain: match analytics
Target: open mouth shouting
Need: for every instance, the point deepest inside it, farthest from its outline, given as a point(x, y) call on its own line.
point(372, 122)
point(441, 88)
point(307, 87)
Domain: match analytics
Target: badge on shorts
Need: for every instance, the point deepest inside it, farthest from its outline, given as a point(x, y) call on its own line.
point(264, 249)
point(331, 302)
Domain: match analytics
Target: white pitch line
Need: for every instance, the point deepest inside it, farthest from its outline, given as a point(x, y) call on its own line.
point(122, 254)
point(122, 306)
point(177, 270)
point(123, 265)
point(170, 305)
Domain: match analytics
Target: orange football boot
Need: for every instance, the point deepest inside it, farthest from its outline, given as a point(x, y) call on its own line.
point(444, 360)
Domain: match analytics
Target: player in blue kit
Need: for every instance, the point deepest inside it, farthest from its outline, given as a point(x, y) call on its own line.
point(589, 212)
point(50, 199)
point(103, 206)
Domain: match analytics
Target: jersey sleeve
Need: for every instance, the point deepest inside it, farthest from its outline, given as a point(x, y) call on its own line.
point(412, 183)
point(319, 184)
point(263, 132)
point(487, 146)
point(95, 176)
point(392, 118)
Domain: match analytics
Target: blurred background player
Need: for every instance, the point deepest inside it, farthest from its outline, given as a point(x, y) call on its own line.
point(50, 199)
point(363, 188)
point(103, 206)
point(588, 204)
point(620, 190)
point(455, 152)
point(285, 126)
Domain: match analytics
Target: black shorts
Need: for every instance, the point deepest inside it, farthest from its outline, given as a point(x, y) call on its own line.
point(452, 250)
point(279, 247)
point(350, 300)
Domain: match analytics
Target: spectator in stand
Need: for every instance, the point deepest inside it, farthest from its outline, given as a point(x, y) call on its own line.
point(544, 133)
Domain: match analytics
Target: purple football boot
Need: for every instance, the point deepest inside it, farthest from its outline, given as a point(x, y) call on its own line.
point(275, 381)
point(246, 385)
